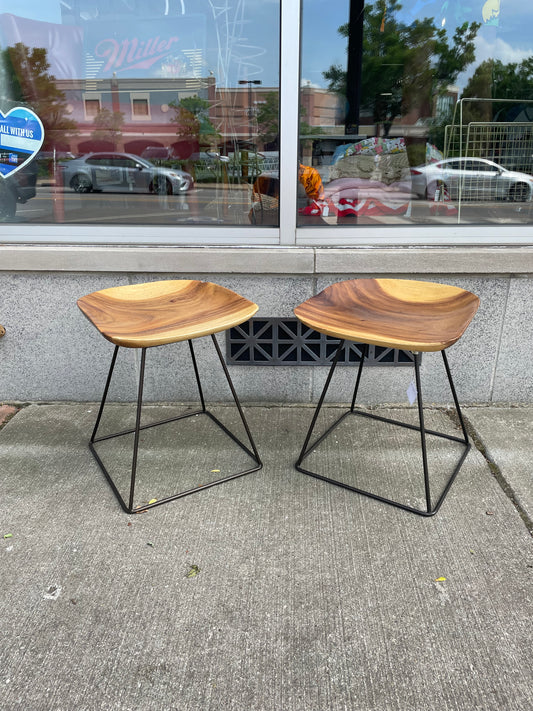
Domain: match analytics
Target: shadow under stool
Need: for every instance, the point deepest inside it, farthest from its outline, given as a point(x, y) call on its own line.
point(158, 313)
point(401, 314)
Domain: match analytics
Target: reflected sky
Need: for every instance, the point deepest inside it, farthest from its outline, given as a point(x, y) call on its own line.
point(505, 31)
point(245, 32)
point(241, 37)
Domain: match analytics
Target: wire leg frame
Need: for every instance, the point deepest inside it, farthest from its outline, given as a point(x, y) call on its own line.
point(308, 448)
point(250, 449)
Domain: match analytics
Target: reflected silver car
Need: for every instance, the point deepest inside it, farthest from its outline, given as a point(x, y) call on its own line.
point(122, 172)
point(471, 179)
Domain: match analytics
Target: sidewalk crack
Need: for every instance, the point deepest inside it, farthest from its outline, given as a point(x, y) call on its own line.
point(493, 467)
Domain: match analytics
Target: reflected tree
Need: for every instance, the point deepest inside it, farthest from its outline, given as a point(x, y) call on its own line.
point(26, 80)
point(193, 122)
point(108, 126)
point(404, 66)
point(495, 80)
point(268, 121)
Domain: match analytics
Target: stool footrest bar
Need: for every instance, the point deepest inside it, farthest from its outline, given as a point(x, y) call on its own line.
point(431, 509)
point(147, 426)
point(383, 499)
point(207, 485)
point(129, 507)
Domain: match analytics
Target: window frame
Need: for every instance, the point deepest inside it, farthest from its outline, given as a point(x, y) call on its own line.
point(140, 96)
point(288, 234)
point(91, 96)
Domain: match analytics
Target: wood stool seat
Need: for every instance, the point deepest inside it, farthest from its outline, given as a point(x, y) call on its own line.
point(394, 313)
point(161, 312)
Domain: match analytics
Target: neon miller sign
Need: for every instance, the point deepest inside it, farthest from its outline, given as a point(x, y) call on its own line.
point(133, 53)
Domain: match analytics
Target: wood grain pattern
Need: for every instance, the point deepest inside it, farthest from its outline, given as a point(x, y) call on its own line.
point(395, 313)
point(155, 313)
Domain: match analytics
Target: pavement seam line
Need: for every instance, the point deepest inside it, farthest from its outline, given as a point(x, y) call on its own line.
point(493, 467)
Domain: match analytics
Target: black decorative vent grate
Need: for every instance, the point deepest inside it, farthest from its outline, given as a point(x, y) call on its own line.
point(286, 341)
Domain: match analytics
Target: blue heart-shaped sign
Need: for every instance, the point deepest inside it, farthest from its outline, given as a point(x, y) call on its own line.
point(21, 137)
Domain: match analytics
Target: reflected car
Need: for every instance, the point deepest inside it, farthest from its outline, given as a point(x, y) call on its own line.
point(122, 172)
point(471, 179)
point(17, 188)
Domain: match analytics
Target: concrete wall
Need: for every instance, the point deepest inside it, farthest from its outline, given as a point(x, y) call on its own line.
point(51, 352)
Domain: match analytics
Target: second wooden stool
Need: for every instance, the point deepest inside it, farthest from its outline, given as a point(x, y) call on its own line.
point(396, 313)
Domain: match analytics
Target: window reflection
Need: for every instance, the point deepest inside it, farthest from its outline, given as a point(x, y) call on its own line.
point(152, 112)
point(397, 94)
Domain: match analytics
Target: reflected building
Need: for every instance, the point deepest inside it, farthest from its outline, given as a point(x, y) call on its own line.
point(149, 119)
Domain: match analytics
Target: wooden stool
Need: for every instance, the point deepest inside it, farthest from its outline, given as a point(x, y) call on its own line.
point(410, 315)
point(158, 313)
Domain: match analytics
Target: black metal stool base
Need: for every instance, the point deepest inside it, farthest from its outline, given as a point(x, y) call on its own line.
point(431, 509)
point(250, 450)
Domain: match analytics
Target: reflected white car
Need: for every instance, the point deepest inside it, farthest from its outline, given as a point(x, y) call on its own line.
point(122, 171)
point(471, 179)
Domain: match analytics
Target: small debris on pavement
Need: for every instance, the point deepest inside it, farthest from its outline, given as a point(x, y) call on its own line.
point(53, 592)
point(194, 570)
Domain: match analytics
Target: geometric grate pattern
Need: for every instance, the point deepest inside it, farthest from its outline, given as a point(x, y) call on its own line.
point(287, 341)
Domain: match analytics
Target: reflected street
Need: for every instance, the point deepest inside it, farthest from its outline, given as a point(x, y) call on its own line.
point(230, 204)
point(201, 205)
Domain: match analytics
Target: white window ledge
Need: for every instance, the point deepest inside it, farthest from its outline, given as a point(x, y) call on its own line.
point(269, 260)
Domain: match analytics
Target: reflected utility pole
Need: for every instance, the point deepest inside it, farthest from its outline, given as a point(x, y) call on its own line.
point(250, 108)
point(355, 60)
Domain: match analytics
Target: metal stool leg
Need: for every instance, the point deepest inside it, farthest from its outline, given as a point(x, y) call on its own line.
point(197, 375)
point(431, 510)
point(307, 449)
point(137, 429)
point(420, 405)
point(364, 354)
point(129, 507)
point(254, 454)
point(454, 395)
point(104, 396)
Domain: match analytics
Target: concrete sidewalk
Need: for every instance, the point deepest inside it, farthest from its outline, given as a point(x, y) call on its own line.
point(272, 592)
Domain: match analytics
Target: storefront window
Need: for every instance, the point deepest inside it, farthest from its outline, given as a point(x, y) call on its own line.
point(419, 112)
point(132, 112)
